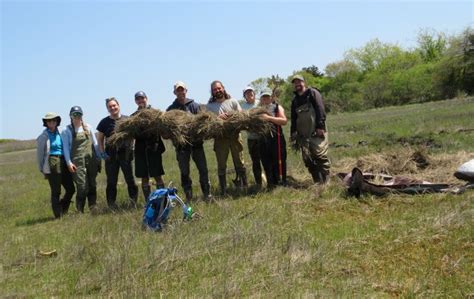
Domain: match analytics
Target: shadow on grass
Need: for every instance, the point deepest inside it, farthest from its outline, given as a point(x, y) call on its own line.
point(29, 222)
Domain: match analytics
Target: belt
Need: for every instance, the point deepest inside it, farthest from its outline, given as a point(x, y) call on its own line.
point(56, 156)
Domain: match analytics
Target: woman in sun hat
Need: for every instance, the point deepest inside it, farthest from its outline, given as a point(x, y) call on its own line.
point(82, 158)
point(51, 163)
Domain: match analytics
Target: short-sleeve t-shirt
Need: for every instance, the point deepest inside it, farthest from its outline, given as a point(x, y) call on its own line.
point(246, 106)
point(107, 125)
point(226, 106)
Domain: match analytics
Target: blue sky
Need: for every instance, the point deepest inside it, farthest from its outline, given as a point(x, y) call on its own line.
point(58, 54)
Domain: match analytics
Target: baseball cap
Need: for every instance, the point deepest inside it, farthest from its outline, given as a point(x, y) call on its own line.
point(76, 109)
point(297, 77)
point(266, 93)
point(248, 88)
point(179, 84)
point(140, 94)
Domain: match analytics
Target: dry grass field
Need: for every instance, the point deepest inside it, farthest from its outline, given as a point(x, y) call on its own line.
point(298, 241)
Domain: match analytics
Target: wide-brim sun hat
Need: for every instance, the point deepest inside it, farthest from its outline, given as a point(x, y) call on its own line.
point(50, 116)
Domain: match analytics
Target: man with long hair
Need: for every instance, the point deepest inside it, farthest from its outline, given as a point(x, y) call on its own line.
point(222, 104)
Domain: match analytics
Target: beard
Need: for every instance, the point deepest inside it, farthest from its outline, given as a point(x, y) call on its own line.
point(219, 95)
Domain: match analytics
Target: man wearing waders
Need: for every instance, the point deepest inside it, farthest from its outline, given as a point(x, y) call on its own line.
point(253, 139)
point(273, 144)
point(148, 151)
point(81, 153)
point(194, 150)
point(308, 129)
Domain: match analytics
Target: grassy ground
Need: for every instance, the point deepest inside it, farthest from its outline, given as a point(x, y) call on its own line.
point(288, 242)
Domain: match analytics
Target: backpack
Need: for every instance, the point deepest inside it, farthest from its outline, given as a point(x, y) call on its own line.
point(158, 208)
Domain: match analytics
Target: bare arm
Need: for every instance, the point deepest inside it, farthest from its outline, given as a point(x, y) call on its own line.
point(279, 120)
point(101, 141)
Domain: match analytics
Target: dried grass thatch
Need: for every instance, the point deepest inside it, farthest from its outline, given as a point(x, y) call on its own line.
point(410, 163)
point(182, 127)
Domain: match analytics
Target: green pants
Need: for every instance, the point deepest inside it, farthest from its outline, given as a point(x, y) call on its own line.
point(58, 176)
point(315, 154)
point(222, 146)
point(85, 177)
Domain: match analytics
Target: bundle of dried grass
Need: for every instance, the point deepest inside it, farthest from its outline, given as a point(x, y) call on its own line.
point(182, 127)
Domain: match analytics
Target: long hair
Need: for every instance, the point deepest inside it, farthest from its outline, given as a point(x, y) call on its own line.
point(84, 127)
point(213, 98)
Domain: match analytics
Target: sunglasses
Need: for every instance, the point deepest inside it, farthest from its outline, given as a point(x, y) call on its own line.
point(76, 114)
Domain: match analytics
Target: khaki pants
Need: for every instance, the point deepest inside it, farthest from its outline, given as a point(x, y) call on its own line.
point(222, 146)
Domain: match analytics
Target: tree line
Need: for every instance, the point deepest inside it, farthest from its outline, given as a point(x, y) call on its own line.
point(378, 74)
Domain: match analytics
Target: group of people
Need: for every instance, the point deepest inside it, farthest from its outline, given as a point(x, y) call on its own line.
point(71, 157)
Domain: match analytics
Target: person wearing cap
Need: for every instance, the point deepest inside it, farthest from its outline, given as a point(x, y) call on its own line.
point(116, 158)
point(222, 104)
point(51, 163)
point(308, 129)
point(148, 151)
point(82, 155)
point(194, 150)
point(253, 139)
point(273, 144)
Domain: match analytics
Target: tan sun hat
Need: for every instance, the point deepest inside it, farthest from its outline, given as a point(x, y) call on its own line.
point(51, 115)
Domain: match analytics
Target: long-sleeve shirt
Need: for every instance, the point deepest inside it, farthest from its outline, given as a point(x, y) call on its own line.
point(67, 142)
point(43, 148)
point(313, 96)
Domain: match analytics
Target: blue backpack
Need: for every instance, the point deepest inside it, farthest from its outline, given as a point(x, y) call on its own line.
point(159, 205)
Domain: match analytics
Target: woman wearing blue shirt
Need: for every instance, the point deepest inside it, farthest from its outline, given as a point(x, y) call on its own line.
point(51, 163)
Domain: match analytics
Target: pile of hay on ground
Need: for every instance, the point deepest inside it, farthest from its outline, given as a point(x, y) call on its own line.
point(182, 127)
point(409, 162)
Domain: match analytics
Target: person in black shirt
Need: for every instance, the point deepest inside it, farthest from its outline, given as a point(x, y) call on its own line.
point(308, 129)
point(115, 158)
point(148, 151)
point(194, 150)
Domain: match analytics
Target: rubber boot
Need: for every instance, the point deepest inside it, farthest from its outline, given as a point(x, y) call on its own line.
point(319, 176)
point(65, 203)
point(206, 191)
point(359, 186)
point(80, 204)
point(92, 201)
point(146, 192)
point(56, 206)
point(223, 184)
point(189, 195)
point(243, 180)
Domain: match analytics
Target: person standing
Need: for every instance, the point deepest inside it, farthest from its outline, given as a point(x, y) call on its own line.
point(308, 129)
point(51, 163)
point(253, 139)
point(148, 151)
point(222, 104)
point(116, 158)
point(194, 150)
point(82, 156)
point(273, 144)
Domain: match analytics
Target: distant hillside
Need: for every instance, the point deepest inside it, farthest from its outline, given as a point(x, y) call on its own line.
point(11, 145)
